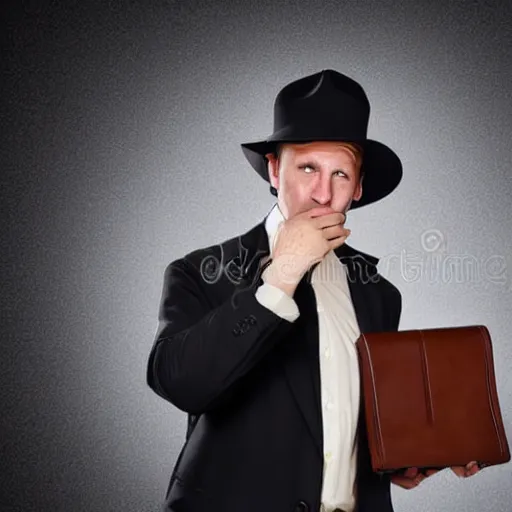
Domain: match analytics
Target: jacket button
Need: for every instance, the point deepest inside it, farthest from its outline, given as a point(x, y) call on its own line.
point(302, 506)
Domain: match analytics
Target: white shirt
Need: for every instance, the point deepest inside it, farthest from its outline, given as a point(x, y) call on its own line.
point(339, 368)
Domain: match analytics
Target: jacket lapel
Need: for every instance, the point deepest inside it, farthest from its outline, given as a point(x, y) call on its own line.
point(361, 271)
point(301, 361)
point(302, 364)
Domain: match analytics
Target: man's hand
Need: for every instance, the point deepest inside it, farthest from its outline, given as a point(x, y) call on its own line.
point(302, 241)
point(411, 478)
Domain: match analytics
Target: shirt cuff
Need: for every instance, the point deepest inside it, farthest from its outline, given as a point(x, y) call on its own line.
point(277, 301)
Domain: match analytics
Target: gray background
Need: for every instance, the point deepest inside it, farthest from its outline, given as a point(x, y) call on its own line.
point(120, 132)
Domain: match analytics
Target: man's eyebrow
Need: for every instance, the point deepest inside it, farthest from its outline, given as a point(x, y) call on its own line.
point(315, 165)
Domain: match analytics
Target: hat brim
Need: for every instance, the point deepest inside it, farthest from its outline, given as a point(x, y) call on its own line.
point(382, 167)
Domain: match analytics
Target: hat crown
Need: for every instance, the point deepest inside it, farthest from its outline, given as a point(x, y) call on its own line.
point(328, 106)
point(327, 98)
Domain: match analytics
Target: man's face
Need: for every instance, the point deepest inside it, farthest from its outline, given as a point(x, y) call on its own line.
point(315, 174)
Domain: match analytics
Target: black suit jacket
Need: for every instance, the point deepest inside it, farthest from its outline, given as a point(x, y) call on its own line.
point(250, 381)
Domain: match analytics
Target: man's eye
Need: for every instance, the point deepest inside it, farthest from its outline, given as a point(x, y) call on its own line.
point(340, 173)
point(305, 167)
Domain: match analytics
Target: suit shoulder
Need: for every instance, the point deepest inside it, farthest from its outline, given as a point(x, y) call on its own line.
point(216, 249)
point(207, 260)
point(389, 288)
point(365, 265)
point(213, 255)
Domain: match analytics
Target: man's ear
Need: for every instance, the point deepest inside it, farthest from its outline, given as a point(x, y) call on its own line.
point(358, 192)
point(273, 169)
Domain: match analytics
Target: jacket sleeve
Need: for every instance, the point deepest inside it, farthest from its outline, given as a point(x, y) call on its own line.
point(200, 353)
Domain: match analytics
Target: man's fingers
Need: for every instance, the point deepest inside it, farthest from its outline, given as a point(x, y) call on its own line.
point(471, 468)
point(402, 481)
point(318, 211)
point(459, 470)
point(467, 470)
point(330, 219)
point(333, 232)
point(411, 472)
point(408, 482)
point(474, 470)
point(334, 243)
point(326, 215)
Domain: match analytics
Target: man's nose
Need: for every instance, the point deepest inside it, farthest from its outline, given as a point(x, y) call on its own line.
point(322, 192)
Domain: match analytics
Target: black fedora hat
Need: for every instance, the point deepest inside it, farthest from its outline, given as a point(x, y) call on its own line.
point(329, 106)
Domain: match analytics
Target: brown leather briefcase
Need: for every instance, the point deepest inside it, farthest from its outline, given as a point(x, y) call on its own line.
point(430, 398)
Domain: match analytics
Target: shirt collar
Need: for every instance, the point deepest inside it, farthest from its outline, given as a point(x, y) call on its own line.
point(272, 222)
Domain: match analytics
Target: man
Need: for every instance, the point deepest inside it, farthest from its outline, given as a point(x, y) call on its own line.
point(256, 335)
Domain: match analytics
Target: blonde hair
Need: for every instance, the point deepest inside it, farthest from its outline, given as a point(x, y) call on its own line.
point(356, 150)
